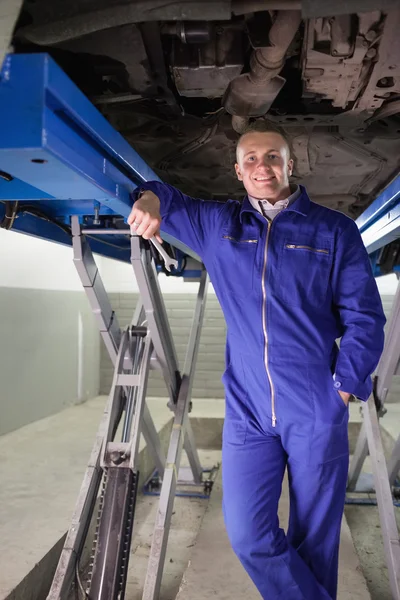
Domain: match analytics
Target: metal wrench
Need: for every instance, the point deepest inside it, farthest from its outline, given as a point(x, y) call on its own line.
point(168, 260)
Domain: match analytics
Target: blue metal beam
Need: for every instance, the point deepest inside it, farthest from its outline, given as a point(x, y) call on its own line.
point(61, 153)
point(380, 223)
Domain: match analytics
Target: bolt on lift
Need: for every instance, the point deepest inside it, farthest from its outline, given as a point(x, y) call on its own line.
point(66, 176)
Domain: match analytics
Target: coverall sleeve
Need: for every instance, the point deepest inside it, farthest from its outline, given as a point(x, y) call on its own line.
point(359, 306)
point(190, 220)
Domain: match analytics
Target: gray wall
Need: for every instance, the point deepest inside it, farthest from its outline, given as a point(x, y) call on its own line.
point(210, 363)
point(40, 372)
point(180, 309)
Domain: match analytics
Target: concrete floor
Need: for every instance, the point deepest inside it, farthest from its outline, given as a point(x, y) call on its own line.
point(215, 572)
point(187, 518)
point(40, 476)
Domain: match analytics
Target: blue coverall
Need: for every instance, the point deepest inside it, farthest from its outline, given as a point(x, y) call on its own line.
point(288, 290)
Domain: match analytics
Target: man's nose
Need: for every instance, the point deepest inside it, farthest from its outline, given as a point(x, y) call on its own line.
point(264, 164)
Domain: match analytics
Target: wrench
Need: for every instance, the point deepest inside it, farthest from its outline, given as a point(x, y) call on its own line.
point(168, 260)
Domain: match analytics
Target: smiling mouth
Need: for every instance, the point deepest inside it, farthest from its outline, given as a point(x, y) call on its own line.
point(263, 179)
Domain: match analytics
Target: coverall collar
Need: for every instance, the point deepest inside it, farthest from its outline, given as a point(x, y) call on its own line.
point(301, 205)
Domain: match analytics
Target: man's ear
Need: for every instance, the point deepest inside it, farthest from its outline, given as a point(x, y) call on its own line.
point(290, 166)
point(238, 173)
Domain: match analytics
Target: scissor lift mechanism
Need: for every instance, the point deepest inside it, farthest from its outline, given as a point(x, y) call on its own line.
point(147, 339)
point(66, 175)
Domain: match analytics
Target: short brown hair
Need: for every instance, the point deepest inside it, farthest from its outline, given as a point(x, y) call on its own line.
point(263, 126)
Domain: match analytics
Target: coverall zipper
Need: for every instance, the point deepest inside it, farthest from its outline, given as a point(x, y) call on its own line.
point(296, 247)
point(228, 237)
point(264, 320)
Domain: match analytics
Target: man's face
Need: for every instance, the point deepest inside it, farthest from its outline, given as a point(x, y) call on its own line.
point(264, 165)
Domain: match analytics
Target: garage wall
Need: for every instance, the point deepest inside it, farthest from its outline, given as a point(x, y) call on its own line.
point(180, 308)
point(50, 346)
point(179, 298)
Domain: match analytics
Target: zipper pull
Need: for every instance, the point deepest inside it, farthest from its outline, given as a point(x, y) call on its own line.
point(273, 421)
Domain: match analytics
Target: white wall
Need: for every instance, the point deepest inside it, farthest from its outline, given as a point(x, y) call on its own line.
point(119, 277)
point(387, 285)
point(31, 263)
point(50, 345)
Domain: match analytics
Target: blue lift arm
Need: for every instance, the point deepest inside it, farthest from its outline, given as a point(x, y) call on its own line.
point(379, 226)
point(60, 157)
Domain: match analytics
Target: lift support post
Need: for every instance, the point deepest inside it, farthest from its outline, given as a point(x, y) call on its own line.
point(380, 226)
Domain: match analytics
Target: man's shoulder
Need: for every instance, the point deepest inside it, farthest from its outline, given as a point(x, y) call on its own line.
point(336, 218)
point(233, 204)
point(229, 208)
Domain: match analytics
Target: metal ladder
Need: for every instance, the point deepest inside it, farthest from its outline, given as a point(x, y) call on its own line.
point(370, 442)
point(113, 466)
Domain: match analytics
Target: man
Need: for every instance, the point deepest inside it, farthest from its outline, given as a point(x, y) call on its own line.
point(291, 277)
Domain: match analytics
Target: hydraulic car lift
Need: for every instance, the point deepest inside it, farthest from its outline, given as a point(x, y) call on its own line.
point(147, 338)
point(66, 175)
point(380, 229)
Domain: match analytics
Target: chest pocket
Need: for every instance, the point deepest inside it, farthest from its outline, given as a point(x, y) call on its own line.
point(304, 270)
point(235, 259)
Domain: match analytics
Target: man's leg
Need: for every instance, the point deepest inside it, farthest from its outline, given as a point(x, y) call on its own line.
point(317, 496)
point(253, 465)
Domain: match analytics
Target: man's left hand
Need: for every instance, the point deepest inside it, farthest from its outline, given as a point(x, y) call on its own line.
point(345, 397)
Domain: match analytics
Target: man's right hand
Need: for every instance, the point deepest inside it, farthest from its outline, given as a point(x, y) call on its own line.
point(145, 218)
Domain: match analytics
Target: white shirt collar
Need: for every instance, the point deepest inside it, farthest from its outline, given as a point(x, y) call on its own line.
point(280, 205)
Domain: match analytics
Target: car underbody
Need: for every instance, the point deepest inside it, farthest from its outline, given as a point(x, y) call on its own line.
point(181, 80)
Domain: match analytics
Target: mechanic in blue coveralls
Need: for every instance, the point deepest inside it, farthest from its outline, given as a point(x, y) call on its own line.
point(292, 277)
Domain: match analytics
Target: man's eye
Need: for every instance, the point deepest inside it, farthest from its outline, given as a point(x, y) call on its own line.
point(272, 156)
point(251, 158)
